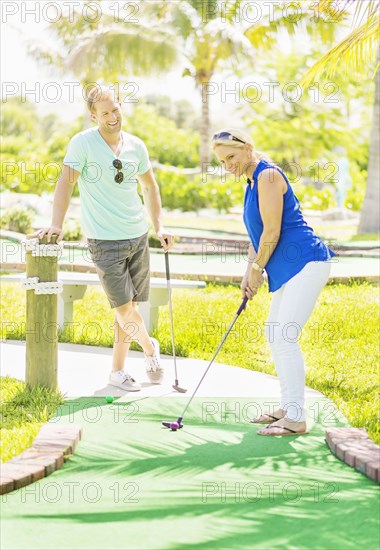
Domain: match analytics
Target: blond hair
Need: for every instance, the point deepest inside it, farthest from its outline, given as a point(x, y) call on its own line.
point(244, 137)
point(100, 93)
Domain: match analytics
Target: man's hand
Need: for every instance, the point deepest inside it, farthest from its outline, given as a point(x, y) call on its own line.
point(166, 239)
point(49, 231)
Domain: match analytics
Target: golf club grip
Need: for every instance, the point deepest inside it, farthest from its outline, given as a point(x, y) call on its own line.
point(167, 266)
point(243, 304)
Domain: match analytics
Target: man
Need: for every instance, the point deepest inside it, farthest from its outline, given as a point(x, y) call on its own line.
point(105, 162)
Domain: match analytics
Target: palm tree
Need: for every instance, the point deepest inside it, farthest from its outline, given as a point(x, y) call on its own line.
point(107, 50)
point(354, 53)
point(211, 40)
point(205, 43)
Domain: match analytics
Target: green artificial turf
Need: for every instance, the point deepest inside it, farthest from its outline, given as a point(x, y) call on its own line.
point(133, 484)
point(340, 342)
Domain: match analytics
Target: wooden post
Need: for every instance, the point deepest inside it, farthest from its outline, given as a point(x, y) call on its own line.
point(41, 322)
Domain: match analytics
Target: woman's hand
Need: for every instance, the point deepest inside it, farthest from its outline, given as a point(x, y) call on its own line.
point(251, 282)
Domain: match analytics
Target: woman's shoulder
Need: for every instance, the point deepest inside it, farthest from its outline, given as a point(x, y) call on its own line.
point(270, 169)
point(264, 165)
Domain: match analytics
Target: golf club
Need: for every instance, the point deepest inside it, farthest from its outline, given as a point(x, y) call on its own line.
point(177, 425)
point(176, 385)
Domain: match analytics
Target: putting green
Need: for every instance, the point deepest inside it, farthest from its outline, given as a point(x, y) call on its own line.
point(132, 484)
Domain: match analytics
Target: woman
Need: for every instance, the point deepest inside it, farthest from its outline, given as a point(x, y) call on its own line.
point(296, 261)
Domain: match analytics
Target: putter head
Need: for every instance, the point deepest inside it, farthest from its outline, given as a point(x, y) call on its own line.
point(173, 426)
point(178, 388)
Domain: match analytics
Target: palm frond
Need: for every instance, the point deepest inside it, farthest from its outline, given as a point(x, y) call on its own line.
point(182, 15)
point(228, 36)
point(334, 10)
point(352, 54)
point(44, 54)
point(130, 49)
point(265, 34)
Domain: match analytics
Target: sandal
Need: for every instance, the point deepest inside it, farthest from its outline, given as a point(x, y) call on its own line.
point(286, 431)
point(264, 419)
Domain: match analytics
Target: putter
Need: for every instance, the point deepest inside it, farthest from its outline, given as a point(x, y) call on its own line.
point(177, 425)
point(176, 385)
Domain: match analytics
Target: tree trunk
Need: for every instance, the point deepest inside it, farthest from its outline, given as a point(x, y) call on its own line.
point(204, 150)
point(369, 216)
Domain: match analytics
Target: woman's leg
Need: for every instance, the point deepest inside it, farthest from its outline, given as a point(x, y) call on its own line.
point(290, 314)
point(270, 326)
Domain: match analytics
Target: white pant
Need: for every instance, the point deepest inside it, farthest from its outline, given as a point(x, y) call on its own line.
point(291, 307)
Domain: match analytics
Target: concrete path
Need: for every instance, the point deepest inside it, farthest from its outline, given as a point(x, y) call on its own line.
point(83, 371)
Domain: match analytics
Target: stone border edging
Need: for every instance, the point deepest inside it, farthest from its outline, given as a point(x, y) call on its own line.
point(54, 445)
point(354, 447)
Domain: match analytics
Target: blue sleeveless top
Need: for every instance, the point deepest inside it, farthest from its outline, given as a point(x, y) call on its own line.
point(298, 244)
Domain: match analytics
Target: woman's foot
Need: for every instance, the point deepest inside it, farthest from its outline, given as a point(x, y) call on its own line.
point(284, 426)
point(268, 418)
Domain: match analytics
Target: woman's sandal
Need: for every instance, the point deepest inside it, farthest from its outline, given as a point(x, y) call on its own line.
point(286, 431)
point(268, 418)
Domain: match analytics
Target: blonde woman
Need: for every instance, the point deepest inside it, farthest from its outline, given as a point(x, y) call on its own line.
point(297, 264)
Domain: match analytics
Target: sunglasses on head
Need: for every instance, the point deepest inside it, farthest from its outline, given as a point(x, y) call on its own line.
point(226, 136)
point(118, 165)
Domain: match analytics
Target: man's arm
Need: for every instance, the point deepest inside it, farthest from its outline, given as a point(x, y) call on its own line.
point(152, 201)
point(61, 201)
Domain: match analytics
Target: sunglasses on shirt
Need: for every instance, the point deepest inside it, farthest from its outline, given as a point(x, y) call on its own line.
point(226, 136)
point(118, 165)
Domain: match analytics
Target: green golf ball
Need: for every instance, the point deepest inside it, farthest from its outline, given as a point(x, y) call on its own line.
point(109, 399)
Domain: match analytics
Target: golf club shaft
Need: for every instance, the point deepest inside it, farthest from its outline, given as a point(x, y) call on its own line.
point(171, 313)
point(243, 304)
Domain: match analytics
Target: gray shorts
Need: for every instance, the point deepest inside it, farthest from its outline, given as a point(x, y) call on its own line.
point(123, 268)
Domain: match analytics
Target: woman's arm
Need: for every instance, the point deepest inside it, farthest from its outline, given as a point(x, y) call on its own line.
point(251, 256)
point(272, 187)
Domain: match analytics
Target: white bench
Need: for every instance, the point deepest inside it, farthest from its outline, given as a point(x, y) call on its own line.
point(75, 285)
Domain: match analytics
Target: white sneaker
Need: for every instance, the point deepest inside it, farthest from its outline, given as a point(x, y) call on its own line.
point(154, 370)
point(123, 380)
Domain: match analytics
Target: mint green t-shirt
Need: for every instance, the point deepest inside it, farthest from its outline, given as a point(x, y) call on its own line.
point(109, 210)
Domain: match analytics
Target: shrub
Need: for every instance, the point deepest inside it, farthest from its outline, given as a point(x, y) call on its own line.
point(165, 142)
point(17, 218)
point(72, 231)
point(355, 195)
point(179, 191)
point(153, 240)
point(315, 199)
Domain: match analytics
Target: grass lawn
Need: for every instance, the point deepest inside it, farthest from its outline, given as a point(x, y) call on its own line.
point(23, 411)
point(340, 341)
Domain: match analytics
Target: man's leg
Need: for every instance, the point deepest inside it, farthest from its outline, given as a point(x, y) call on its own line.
point(121, 345)
point(131, 322)
point(122, 342)
point(132, 325)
